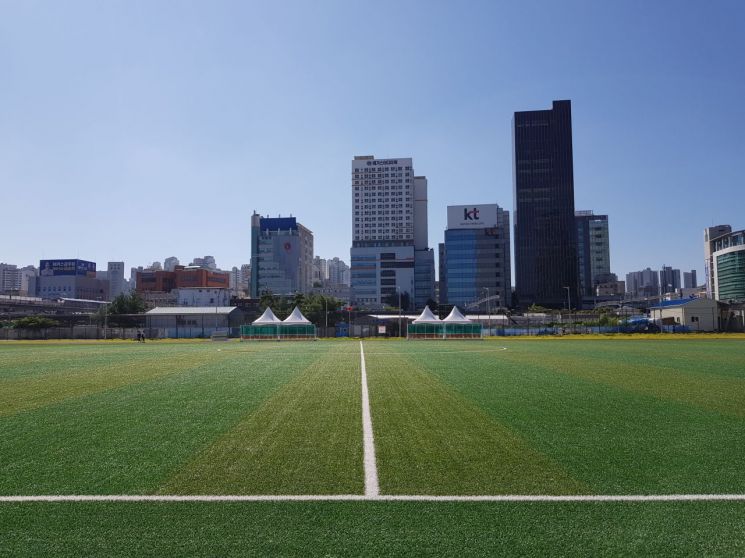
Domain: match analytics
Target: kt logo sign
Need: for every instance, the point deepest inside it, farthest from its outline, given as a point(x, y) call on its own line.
point(472, 215)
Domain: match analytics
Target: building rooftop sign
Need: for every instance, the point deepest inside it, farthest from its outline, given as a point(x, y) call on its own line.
point(482, 216)
point(54, 268)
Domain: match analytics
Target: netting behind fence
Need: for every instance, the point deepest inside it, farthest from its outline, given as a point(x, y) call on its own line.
point(278, 332)
point(444, 331)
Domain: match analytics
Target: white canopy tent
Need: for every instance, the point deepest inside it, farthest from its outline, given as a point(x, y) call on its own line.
point(267, 317)
point(296, 317)
point(455, 326)
point(426, 317)
point(455, 317)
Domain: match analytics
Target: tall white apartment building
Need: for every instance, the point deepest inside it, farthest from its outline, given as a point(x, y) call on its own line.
point(240, 280)
point(389, 255)
point(338, 272)
point(245, 278)
point(234, 280)
point(115, 275)
point(10, 280)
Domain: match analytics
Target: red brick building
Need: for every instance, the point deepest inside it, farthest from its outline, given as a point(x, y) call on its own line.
point(166, 281)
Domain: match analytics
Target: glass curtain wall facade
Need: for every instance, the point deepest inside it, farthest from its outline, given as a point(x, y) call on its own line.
point(545, 229)
point(711, 234)
point(729, 267)
point(281, 256)
point(731, 271)
point(442, 297)
point(477, 265)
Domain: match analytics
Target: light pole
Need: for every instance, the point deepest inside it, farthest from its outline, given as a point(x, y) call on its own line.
point(488, 307)
point(398, 289)
point(499, 308)
point(569, 300)
point(326, 316)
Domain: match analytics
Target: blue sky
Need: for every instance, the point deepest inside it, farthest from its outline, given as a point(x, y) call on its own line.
point(139, 130)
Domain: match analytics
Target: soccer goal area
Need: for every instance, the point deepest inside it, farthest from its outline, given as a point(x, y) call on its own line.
point(220, 335)
point(444, 331)
point(279, 332)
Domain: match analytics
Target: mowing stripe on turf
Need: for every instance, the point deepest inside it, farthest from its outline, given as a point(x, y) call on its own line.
point(304, 439)
point(432, 440)
point(378, 498)
point(371, 471)
point(614, 439)
point(73, 377)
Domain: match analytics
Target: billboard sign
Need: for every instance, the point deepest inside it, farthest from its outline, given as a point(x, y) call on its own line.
point(55, 268)
point(482, 216)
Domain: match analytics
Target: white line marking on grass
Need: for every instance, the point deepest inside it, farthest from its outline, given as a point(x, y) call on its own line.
point(375, 498)
point(372, 488)
point(437, 352)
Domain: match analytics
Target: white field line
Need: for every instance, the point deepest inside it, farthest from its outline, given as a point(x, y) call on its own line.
point(376, 498)
point(500, 349)
point(372, 488)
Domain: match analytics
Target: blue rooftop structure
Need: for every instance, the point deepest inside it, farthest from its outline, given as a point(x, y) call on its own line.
point(278, 224)
point(670, 303)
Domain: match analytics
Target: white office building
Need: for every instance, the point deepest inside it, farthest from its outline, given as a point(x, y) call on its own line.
point(115, 275)
point(17, 281)
point(202, 296)
point(390, 257)
point(170, 263)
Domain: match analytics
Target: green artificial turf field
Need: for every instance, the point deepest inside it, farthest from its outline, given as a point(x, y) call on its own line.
point(495, 417)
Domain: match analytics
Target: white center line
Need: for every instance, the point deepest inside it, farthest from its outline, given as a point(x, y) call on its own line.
point(373, 498)
point(371, 472)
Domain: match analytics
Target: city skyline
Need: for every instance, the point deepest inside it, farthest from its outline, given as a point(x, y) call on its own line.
point(104, 150)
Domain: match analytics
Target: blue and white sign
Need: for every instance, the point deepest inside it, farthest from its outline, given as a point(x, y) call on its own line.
point(54, 268)
point(481, 216)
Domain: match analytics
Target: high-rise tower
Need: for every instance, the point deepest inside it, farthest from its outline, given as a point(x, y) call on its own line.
point(545, 230)
point(389, 256)
point(593, 251)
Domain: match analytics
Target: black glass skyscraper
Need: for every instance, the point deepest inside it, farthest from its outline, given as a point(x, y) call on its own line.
point(545, 230)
